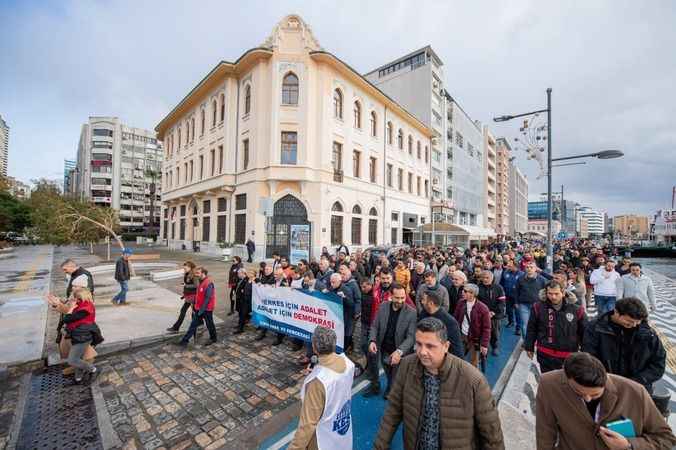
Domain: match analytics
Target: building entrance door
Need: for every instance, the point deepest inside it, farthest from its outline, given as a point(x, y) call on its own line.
point(282, 229)
point(407, 236)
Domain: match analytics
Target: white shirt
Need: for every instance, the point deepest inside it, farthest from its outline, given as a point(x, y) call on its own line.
point(605, 283)
point(465, 322)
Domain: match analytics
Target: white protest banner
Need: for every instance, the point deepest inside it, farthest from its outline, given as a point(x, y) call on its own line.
point(296, 312)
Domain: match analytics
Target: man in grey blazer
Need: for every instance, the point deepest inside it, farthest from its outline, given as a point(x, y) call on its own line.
point(392, 335)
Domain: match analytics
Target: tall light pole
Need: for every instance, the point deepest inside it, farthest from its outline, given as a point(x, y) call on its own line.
point(605, 154)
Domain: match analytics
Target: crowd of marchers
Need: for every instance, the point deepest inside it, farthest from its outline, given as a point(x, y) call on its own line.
point(431, 317)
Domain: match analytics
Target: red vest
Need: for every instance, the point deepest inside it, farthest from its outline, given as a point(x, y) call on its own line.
point(201, 291)
point(88, 319)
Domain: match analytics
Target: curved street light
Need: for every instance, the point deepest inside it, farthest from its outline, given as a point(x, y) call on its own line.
point(609, 154)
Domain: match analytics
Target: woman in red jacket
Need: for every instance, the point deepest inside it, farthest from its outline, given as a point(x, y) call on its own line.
point(475, 324)
point(80, 320)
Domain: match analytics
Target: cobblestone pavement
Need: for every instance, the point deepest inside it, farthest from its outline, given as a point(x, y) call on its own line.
point(173, 398)
point(10, 389)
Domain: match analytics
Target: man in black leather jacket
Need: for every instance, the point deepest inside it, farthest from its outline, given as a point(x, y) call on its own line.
point(626, 344)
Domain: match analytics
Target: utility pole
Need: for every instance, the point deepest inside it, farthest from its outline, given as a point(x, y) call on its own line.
point(550, 260)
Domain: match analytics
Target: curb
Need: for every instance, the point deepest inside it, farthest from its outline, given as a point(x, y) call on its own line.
point(18, 412)
point(507, 372)
point(109, 438)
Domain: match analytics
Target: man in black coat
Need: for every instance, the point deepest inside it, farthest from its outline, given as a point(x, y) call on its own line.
point(625, 343)
point(494, 297)
point(122, 276)
point(431, 303)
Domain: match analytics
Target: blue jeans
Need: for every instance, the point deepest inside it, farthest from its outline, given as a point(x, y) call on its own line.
point(604, 303)
point(121, 296)
point(522, 316)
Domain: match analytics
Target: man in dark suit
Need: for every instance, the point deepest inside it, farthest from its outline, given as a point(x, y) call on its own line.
point(392, 335)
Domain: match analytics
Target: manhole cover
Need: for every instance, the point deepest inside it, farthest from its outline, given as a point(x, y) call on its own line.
point(58, 415)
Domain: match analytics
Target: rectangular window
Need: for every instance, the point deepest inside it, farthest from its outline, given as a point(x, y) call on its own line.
point(400, 179)
point(192, 170)
point(206, 206)
point(427, 154)
point(245, 154)
point(356, 231)
point(220, 159)
point(240, 202)
point(165, 229)
point(102, 132)
point(459, 140)
point(182, 211)
point(213, 162)
point(394, 236)
point(389, 175)
point(181, 229)
point(410, 183)
point(336, 230)
point(289, 147)
point(395, 217)
point(201, 166)
point(173, 230)
point(220, 228)
point(427, 188)
point(206, 227)
point(240, 228)
point(372, 169)
point(356, 164)
point(373, 231)
point(337, 157)
point(222, 204)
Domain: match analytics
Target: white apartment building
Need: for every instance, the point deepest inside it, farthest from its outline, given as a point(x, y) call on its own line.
point(518, 201)
point(289, 146)
point(4, 147)
point(594, 219)
point(120, 166)
point(491, 179)
point(416, 81)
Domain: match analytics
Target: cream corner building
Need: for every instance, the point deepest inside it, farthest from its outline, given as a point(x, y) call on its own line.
point(291, 147)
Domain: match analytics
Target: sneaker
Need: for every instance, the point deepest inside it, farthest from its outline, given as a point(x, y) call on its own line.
point(93, 375)
point(517, 332)
point(180, 343)
point(209, 343)
point(371, 391)
point(172, 330)
point(495, 352)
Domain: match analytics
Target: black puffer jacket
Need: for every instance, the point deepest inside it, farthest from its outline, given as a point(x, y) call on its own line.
point(609, 342)
point(493, 296)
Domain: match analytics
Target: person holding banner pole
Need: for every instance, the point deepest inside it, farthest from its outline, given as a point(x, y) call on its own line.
point(325, 419)
point(243, 297)
point(338, 287)
point(351, 284)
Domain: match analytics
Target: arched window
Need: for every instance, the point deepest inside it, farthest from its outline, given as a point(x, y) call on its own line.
point(410, 144)
point(373, 227)
point(389, 133)
point(187, 132)
point(247, 100)
point(357, 115)
point(374, 124)
point(222, 107)
point(400, 139)
point(192, 128)
point(178, 148)
point(290, 89)
point(356, 209)
point(336, 224)
point(337, 207)
point(202, 120)
point(214, 108)
point(337, 104)
point(419, 155)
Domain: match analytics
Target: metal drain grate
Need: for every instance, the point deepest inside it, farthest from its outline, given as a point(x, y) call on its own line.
point(58, 415)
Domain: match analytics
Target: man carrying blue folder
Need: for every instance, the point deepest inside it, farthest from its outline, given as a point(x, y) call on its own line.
point(583, 407)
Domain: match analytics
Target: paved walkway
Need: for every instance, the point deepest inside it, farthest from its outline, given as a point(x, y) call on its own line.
point(24, 280)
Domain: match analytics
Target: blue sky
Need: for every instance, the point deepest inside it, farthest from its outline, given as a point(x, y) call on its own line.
point(611, 65)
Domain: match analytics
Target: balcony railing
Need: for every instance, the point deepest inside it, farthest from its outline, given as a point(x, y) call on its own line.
point(338, 176)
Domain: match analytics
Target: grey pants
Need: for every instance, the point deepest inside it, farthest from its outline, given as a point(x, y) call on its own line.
point(75, 360)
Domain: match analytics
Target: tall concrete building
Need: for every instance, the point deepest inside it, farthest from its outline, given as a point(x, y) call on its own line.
point(120, 167)
point(69, 166)
point(491, 179)
point(290, 147)
point(416, 81)
point(4, 147)
point(594, 219)
point(518, 201)
point(631, 226)
point(503, 154)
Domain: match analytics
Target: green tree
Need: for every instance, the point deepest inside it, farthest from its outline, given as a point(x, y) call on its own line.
point(14, 213)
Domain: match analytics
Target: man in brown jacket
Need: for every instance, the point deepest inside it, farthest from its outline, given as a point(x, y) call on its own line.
point(576, 403)
point(443, 401)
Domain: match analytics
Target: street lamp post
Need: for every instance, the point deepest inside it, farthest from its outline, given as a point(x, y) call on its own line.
point(605, 154)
